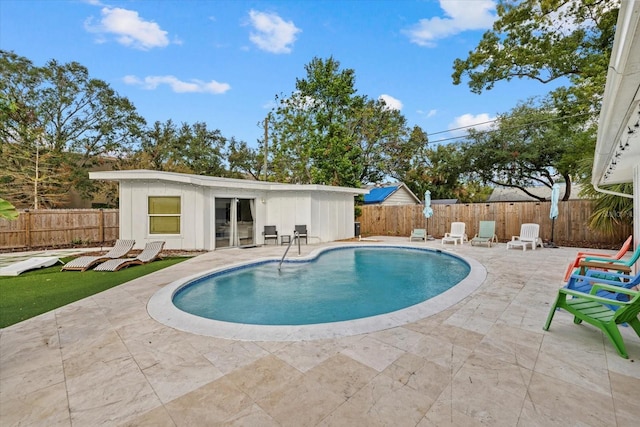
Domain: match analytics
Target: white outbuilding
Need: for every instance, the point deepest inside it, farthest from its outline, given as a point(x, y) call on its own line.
point(193, 212)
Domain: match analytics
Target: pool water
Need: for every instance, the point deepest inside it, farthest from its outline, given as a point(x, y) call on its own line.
point(341, 284)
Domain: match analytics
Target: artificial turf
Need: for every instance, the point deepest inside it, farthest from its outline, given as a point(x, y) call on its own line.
point(38, 291)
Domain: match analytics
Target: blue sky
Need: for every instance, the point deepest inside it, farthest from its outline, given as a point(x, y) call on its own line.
point(223, 62)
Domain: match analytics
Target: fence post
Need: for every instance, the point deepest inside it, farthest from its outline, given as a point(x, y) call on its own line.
point(27, 228)
point(101, 226)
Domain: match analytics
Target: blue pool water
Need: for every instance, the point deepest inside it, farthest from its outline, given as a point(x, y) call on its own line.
point(341, 284)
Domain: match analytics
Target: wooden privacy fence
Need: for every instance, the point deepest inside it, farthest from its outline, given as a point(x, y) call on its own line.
point(59, 227)
point(570, 227)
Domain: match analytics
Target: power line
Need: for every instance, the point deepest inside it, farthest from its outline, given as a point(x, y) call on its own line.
point(463, 127)
point(495, 130)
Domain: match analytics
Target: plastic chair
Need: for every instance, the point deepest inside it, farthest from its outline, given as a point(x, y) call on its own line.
point(595, 310)
point(486, 234)
point(529, 236)
point(418, 233)
point(580, 256)
point(457, 233)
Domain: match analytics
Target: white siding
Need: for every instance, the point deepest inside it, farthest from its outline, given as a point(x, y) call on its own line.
point(400, 197)
point(327, 214)
point(134, 222)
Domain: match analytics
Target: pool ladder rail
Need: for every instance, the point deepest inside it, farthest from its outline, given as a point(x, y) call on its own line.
point(295, 237)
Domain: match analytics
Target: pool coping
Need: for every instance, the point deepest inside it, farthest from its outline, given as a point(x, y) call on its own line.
point(161, 308)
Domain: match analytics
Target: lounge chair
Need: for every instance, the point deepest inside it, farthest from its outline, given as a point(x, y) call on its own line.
point(270, 233)
point(529, 236)
point(418, 233)
point(150, 253)
point(595, 311)
point(28, 264)
point(83, 263)
point(302, 232)
point(619, 265)
point(486, 234)
point(457, 233)
point(580, 256)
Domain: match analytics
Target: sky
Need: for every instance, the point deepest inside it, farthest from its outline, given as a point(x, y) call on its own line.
point(224, 62)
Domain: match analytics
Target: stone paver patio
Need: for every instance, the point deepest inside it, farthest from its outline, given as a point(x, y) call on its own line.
point(483, 361)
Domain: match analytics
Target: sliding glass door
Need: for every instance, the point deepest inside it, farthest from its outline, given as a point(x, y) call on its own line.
point(234, 222)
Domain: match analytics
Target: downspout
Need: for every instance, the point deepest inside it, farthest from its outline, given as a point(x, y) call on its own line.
point(613, 193)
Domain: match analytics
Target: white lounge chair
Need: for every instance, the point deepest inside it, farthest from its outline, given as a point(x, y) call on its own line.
point(529, 236)
point(418, 233)
point(83, 263)
point(150, 253)
point(457, 234)
point(28, 264)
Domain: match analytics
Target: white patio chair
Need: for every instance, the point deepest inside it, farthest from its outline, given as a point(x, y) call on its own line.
point(456, 234)
point(529, 236)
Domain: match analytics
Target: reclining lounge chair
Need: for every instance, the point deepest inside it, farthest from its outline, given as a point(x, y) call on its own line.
point(83, 263)
point(529, 236)
point(457, 234)
point(150, 253)
point(486, 234)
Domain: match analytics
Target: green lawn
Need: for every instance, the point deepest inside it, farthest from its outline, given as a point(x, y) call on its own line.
point(38, 291)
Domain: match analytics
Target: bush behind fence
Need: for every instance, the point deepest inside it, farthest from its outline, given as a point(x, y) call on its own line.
point(571, 226)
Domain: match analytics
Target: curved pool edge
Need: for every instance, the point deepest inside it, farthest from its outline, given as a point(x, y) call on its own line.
point(161, 308)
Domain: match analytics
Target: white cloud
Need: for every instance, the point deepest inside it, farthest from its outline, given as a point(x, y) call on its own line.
point(177, 85)
point(128, 28)
point(272, 33)
point(467, 121)
point(392, 103)
point(428, 114)
point(460, 16)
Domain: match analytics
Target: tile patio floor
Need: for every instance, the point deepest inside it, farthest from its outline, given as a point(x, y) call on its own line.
point(483, 361)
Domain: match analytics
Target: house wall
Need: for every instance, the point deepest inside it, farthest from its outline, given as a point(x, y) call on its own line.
point(328, 216)
point(333, 215)
point(286, 209)
point(400, 197)
point(196, 208)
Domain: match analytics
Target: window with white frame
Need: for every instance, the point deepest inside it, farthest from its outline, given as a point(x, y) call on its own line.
point(164, 215)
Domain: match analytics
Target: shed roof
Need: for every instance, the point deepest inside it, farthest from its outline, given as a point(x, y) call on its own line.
point(214, 181)
point(379, 194)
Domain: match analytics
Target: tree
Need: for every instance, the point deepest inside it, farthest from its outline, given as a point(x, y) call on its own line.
point(551, 40)
point(8, 211)
point(313, 141)
point(201, 149)
point(63, 118)
point(244, 161)
point(387, 149)
point(546, 40)
point(187, 149)
point(528, 146)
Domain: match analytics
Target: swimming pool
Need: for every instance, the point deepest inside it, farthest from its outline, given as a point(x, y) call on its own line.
point(162, 308)
point(340, 284)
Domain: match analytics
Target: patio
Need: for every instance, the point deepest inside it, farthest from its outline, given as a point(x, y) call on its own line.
point(483, 361)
